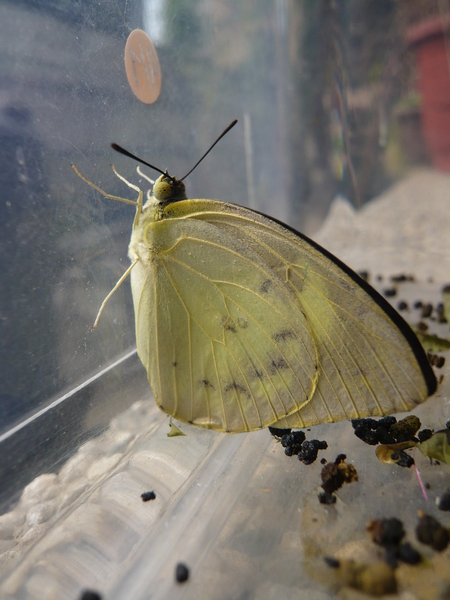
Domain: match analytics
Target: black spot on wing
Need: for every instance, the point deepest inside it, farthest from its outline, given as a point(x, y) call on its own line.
point(284, 335)
point(206, 383)
point(234, 385)
point(278, 365)
point(265, 286)
point(228, 324)
point(174, 364)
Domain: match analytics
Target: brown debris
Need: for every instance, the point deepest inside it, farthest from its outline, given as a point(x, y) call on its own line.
point(335, 474)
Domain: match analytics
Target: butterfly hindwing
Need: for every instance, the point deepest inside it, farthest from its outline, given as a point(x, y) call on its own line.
point(224, 340)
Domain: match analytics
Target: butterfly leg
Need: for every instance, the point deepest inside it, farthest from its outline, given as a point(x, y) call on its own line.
point(111, 196)
point(116, 287)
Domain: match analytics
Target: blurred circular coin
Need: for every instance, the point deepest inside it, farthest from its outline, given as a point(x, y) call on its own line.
point(142, 67)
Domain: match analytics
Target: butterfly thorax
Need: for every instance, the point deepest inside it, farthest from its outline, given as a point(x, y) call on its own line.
point(146, 241)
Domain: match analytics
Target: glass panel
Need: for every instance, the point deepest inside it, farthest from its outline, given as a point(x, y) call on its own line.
point(338, 103)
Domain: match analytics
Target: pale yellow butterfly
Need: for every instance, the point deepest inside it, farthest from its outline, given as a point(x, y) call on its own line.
point(242, 322)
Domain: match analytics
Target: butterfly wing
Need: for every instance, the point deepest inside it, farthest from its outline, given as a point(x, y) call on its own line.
point(370, 362)
point(224, 340)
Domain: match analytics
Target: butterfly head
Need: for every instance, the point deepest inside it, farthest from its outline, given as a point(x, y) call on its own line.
point(169, 189)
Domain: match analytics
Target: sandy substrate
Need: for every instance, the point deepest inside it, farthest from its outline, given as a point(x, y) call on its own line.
point(407, 229)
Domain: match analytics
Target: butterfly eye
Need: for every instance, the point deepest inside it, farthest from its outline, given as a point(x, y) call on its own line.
point(162, 190)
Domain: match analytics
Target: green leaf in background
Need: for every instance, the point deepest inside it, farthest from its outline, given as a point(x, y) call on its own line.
point(433, 343)
point(438, 446)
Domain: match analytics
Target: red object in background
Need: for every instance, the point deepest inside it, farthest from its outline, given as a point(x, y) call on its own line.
point(431, 40)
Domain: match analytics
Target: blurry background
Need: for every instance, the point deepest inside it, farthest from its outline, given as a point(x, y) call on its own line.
point(332, 96)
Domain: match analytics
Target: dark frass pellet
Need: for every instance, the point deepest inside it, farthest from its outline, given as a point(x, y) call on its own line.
point(310, 449)
point(390, 292)
point(402, 278)
point(335, 474)
point(292, 442)
point(424, 435)
point(369, 437)
point(386, 422)
point(444, 502)
point(405, 429)
point(386, 532)
point(440, 313)
point(389, 533)
point(181, 573)
point(331, 562)
point(403, 459)
point(146, 496)
point(293, 439)
point(326, 498)
point(429, 531)
point(402, 305)
point(90, 595)
point(364, 275)
point(384, 436)
point(391, 556)
point(374, 432)
point(408, 554)
point(427, 309)
point(364, 423)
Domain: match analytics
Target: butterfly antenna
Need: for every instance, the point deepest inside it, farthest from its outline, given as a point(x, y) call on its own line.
point(230, 126)
point(121, 150)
